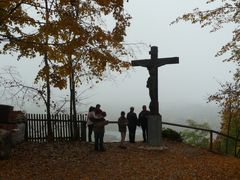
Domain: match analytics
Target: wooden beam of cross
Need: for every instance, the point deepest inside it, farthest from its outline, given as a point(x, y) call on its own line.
point(152, 82)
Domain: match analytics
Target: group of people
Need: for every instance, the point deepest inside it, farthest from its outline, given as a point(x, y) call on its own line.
point(133, 122)
point(96, 122)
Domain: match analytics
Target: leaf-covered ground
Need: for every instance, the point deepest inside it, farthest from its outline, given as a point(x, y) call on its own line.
point(79, 161)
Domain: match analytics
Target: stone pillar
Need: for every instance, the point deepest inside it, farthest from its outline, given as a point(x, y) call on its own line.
point(155, 130)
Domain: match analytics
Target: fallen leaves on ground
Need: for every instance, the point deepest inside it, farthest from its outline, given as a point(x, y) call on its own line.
point(78, 160)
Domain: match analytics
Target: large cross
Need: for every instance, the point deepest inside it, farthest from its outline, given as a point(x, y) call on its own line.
point(152, 82)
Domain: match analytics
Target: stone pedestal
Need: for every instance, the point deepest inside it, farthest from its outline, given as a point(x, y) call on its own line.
point(5, 144)
point(155, 130)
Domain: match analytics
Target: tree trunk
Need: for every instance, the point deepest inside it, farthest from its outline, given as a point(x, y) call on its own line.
point(228, 126)
point(71, 108)
point(76, 128)
point(48, 102)
point(73, 111)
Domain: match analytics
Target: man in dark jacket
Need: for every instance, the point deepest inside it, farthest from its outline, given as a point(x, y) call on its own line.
point(132, 124)
point(144, 122)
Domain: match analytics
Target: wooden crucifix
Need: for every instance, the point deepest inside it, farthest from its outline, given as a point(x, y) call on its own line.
point(152, 82)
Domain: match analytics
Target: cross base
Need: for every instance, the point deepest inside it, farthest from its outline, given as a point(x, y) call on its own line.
point(155, 130)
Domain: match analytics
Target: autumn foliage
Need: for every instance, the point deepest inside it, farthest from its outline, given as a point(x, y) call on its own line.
point(217, 16)
point(78, 40)
point(79, 161)
point(71, 33)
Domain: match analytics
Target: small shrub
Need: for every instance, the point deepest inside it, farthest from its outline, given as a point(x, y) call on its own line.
point(171, 134)
point(196, 137)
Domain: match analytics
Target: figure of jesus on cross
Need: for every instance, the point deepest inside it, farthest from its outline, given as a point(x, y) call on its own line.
point(155, 119)
point(152, 82)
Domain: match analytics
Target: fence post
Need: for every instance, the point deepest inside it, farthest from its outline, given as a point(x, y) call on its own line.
point(236, 143)
point(26, 130)
point(83, 130)
point(211, 140)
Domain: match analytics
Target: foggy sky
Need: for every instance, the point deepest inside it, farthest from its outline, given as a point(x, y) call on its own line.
point(183, 87)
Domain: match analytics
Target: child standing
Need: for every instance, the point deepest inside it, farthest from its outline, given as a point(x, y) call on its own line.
point(122, 126)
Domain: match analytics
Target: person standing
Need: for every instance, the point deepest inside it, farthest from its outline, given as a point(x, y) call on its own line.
point(90, 117)
point(122, 127)
point(99, 123)
point(98, 110)
point(132, 124)
point(142, 117)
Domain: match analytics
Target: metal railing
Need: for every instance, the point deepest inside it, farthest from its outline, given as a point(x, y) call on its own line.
point(211, 132)
point(34, 127)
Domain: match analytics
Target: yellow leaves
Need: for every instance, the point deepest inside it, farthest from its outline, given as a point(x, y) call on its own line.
point(4, 4)
point(225, 12)
point(103, 2)
point(55, 75)
point(58, 82)
point(68, 29)
point(79, 161)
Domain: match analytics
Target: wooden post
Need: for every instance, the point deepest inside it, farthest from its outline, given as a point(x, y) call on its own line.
point(236, 143)
point(26, 131)
point(211, 140)
point(83, 131)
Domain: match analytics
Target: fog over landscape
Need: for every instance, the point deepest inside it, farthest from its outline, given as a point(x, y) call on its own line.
point(183, 88)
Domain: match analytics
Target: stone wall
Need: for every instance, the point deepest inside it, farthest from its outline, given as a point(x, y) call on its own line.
point(12, 129)
point(18, 134)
